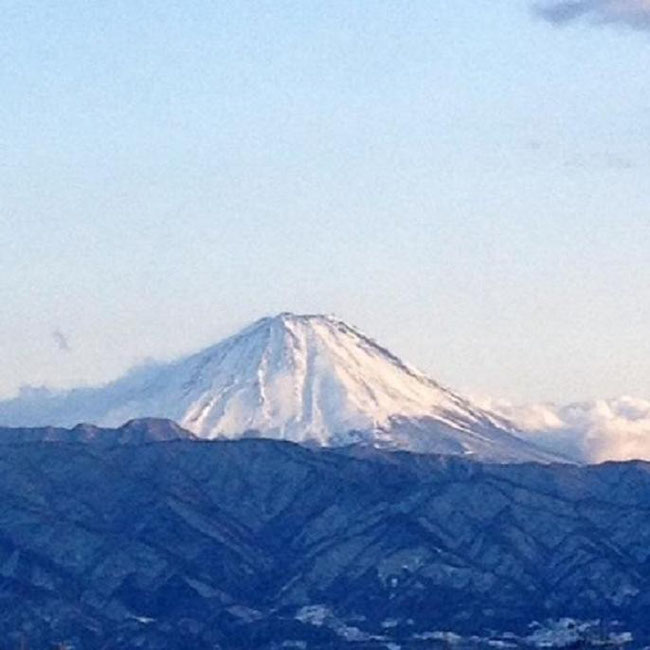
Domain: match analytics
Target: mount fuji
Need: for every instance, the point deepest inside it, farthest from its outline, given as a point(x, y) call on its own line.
point(305, 378)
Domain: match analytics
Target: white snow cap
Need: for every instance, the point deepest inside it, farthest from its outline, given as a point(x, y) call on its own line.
point(305, 378)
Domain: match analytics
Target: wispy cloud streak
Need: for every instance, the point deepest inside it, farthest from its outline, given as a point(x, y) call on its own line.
point(61, 341)
point(634, 13)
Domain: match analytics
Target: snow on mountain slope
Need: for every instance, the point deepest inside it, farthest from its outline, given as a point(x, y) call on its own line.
point(302, 378)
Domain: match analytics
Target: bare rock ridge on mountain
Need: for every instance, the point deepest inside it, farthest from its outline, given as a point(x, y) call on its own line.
point(308, 379)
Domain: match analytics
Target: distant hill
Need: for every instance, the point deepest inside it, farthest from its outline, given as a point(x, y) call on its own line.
point(256, 543)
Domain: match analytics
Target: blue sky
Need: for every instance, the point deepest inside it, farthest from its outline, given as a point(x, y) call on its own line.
point(467, 182)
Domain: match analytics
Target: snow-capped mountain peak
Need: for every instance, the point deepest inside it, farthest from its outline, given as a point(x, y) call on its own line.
point(305, 378)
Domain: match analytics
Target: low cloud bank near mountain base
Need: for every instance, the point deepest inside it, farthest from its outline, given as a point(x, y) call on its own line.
point(608, 429)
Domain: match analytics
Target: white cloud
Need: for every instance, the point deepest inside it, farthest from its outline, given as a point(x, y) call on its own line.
point(614, 429)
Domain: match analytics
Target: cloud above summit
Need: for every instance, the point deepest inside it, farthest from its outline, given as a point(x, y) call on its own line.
point(634, 13)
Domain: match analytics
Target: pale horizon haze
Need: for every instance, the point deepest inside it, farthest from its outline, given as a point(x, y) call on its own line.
point(465, 182)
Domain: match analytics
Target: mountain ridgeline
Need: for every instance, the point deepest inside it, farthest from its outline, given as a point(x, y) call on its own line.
point(173, 542)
